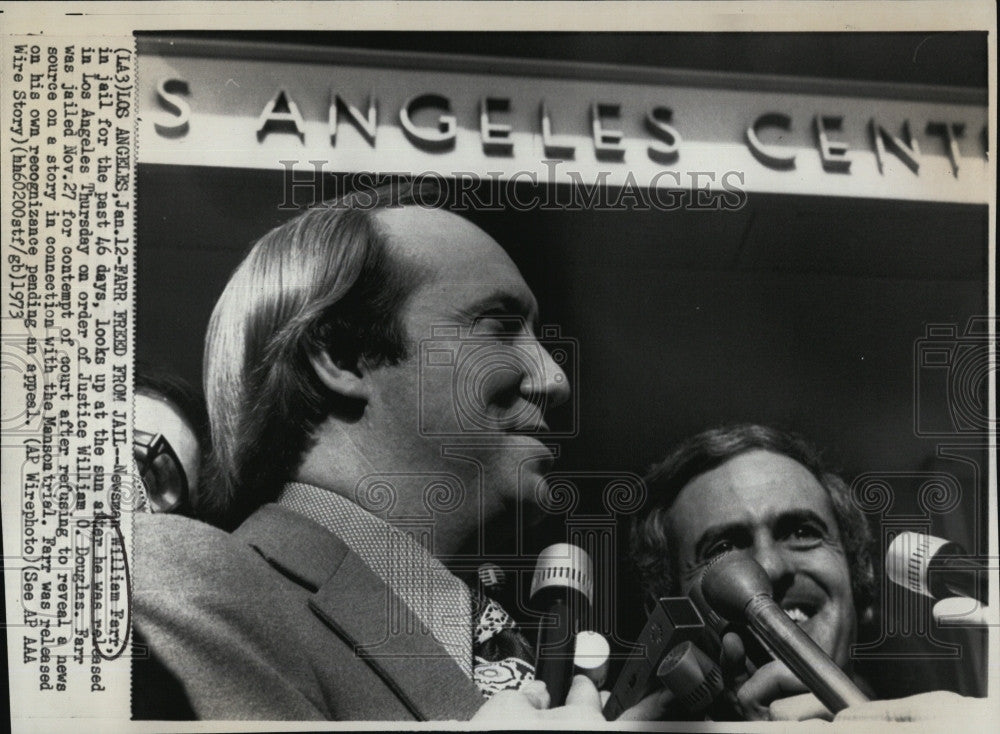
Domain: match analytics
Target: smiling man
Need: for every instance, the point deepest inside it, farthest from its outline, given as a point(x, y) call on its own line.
point(342, 463)
point(777, 509)
point(757, 490)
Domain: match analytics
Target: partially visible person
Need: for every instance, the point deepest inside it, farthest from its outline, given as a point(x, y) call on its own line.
point(756, 490)
point(169, 441)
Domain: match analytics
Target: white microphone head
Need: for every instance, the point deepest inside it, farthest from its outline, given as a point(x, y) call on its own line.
point(564, 565)
point(908, 559)
point(592, 656)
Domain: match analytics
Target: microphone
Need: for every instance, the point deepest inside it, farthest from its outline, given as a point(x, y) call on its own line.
point(592, 657)
point(672, 620)
point(492, 580)
point(933, 567)
point(562, 588)
point(738, 589)
point(960, 611)
point(693, 677)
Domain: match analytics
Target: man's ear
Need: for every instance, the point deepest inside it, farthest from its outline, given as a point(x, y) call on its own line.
point(344, 381)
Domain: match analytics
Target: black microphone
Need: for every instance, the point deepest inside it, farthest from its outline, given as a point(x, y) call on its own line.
point(933, 567)
point(492, 581)
point(693, 677)
point(563, 589)
point(738, 589)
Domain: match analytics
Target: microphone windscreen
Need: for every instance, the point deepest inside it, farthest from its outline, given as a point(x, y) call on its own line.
point(961, 611)
point(562, 566)
point(691, 676)
point(731, 580)
point(592, 656)
point(909, 558)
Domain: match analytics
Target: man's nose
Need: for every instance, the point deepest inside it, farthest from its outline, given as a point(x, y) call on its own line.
point(775, 561)
point(546, 382)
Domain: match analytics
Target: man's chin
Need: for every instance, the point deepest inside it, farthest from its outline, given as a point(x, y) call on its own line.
point(527, 503)
point(535, 460)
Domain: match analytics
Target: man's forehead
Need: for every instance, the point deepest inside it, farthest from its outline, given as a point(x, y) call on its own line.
point(757, 486)
point(433, 234)
point(451, 251)
point(153, 410)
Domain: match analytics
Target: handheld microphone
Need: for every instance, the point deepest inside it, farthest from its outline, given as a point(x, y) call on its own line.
point(693, 677)
point(592, 657)
point(738, 589)
point(660, 653)
point(491, 578)
point(672, 620)
point(563, 589)
point(960, 611)
point(933, 567)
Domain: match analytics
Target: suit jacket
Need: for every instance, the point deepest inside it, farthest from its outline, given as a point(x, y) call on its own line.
point(280, 620)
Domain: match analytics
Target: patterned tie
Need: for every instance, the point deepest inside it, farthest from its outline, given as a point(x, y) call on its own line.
point(500, 651)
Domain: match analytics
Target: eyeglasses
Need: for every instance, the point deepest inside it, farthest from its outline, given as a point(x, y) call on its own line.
point(161, 471)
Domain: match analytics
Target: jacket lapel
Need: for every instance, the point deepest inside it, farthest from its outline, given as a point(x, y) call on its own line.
point(366, 613)
point(301, 549)
point(358, 605)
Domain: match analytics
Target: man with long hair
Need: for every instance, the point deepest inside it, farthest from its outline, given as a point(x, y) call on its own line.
point(329, 599)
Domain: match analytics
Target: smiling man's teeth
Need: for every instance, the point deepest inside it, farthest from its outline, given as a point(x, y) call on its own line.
point(796, 615)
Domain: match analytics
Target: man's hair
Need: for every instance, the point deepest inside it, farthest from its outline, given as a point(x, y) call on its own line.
point(156, 381)
point(324, 280)
point(650, 541)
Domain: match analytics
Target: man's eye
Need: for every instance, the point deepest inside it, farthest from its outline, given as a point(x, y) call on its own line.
point(806, 535)
point(719, 547)
point(504, 326)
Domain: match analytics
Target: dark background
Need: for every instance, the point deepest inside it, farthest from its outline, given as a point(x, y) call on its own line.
point(796, 311)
